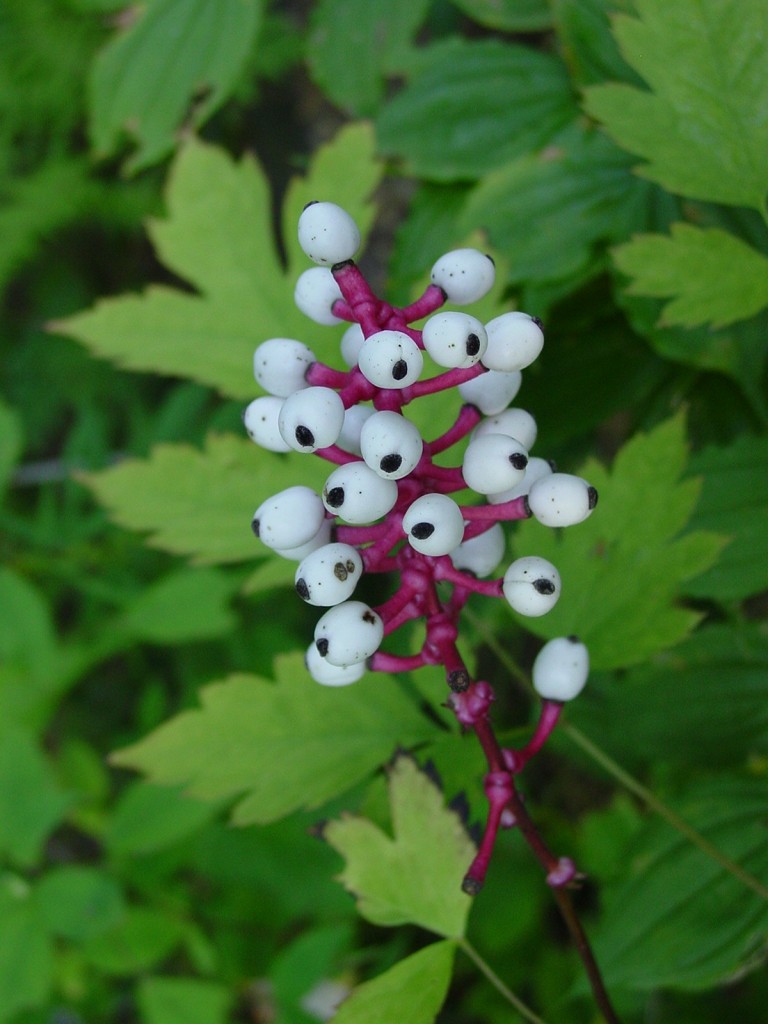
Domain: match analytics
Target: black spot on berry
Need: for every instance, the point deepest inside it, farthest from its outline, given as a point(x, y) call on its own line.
point(391, 463)
point(302, 589)
point(544, 586)
point(539, 323)
point(255, 526)
point(489, 257)
point(573, 639)
point(458, 680)
point(423, 530)
point(304, 436)
point(369, 617)
point(343, 263)
point(473, 344)
point(312, 202)
point(335, 497)
point(592, 493)
point(518, 460)
point(322, 646)
point(340, 571)
point(400, 369)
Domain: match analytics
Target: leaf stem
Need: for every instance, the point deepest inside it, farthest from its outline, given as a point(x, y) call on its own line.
point(525, 1012)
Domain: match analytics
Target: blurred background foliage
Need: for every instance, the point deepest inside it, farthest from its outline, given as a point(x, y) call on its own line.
point(153, 158)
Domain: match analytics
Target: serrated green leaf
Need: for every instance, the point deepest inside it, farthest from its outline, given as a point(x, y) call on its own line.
point(182, 1001)
point(473, 106)
point(508, 15)
point(219, 236)
point(589, 47)
point(547, 211)
point(415, 875)
point(711, 274)
point(623, 568)
point(183, 607)
point(702, 126)
point(201, 503)
point(705, 702)
point(279, 746)
point(378, 36)
point(679, 920)
point(411, 992)
point(734, 502)
point(176, 61)
point(79, 902)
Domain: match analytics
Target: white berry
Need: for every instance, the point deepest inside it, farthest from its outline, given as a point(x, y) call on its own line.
point(390, 444)
point(280, 365)
point(454, 339)
point(514, 422)
point(349, 633)
point(358, 495)
point(260, 421)
point(493, 462)
point(351, 342)
point(535, 470)
point(514, 341)
point(434, 524)
point(354, 418)
point(561, 668)
point(329, 575)
point(327, 234)
point(289, 518)
point(465, 275)
point(492, 391)
point(300, 551)
point(531, 586)
point(323, 672)
point(390, 359)
point(311, 419)
point(561, 499)
point(315, 293)
point(481, 554)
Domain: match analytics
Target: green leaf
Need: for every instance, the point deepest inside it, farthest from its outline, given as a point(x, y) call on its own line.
point(411, 992)
point(219, 237)
point(185, 606)
point(415, 876)
point(588, 45)
point(31, 804)
point(149, 818)
point(701, 125)
point(182, 1001)
point(177, 61)
point(26, 953)
point(279, 746)
point(734, 502)
point(473, 106)
point(711, 274)
point(201, 503)
point(508, 15)
point(665, 926)
point(79, 903)
point(547, 211)
point(703, 703)
point(378, 36)
point(622, 569)
point(141, 939)
point(10, 443)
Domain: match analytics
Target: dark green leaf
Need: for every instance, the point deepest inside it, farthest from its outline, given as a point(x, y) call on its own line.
point(279, 746)
point(26, 952)
point(473, 106)
point(183, 1001)
point(79, 903)
point(177, 61)
point(508, 15)
point(141, 939)
point(148, 818)
point(589, 47)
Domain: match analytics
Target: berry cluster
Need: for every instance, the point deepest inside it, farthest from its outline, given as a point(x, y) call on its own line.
point(388, 507)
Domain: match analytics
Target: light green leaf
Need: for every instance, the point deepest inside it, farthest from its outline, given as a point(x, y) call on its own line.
point(378, 35)
point(411, 992)
point(31, 804)
point(508, 15)
point(201, 503)
point(702, 127)
point(79, 902)
point(26, 953)
point(711, 274)
point(148, 818)
point(547, 211)
point(185, 606)
point(219, 237)
point(183, 1001)
point(679, 920)
point(176, 62)
point(624, 567)
point(413, 877)
point(734, 502)
point(473, 106)
point(279, 746)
